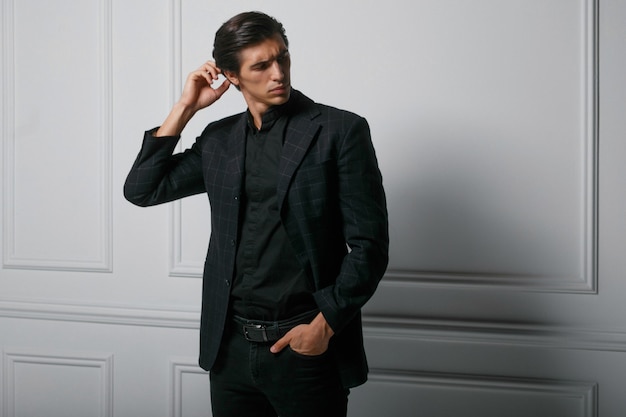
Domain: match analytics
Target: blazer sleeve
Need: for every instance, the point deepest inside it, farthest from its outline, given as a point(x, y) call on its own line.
point(364, 220)
point(157, 176)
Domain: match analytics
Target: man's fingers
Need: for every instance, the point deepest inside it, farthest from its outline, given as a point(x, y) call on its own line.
point(210, 69)
point(223, 87)
point(280, 344)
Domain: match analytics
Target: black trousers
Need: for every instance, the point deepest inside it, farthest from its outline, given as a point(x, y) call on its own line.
point(248, 380)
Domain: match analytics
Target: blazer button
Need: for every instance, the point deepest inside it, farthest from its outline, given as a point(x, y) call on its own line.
point(227, 282)
point(232, 242)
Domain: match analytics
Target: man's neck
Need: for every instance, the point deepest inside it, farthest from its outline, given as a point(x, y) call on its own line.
point(257, 110)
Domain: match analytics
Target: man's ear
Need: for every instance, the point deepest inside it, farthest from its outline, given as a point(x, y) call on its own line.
point(232, 77)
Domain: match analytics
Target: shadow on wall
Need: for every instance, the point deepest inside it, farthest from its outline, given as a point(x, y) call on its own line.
point(479, 204)
point(483, 228)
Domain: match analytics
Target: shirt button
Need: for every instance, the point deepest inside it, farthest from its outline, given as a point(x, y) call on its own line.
point(227, 283)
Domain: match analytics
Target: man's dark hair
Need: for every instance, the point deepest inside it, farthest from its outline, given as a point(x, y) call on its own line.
point(241, 31)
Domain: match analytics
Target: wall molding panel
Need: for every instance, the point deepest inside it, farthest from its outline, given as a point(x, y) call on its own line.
point(32, 374)
point(495, 333)
point(588, 127)
point(189, 387)
point(31, 237)
point(100, 314)
point(181, 263)
point(463, 331)
point(434, 393)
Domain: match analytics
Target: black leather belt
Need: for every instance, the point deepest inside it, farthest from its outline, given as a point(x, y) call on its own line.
point(270, 331)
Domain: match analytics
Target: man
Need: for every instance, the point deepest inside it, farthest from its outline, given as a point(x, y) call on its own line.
point(299, 234)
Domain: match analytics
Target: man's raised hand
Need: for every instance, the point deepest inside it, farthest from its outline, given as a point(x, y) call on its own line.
point(197, 94)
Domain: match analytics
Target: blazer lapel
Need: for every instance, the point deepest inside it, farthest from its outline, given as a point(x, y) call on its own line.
point(301, 131)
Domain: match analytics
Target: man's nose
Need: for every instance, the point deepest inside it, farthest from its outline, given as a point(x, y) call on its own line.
point(278, 73)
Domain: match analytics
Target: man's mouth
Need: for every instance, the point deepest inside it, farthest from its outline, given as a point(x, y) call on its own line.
point(279, 90)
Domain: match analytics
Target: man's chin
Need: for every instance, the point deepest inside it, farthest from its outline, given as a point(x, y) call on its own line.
point(281, 98)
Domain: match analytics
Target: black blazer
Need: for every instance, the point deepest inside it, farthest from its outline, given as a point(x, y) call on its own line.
point(332, 205)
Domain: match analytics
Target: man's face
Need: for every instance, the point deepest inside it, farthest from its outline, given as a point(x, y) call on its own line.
point(264, 75)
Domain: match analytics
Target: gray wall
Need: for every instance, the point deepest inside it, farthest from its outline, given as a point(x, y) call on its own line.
point(499, 129)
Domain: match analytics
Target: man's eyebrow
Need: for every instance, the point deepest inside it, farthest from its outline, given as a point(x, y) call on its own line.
point(281, 54)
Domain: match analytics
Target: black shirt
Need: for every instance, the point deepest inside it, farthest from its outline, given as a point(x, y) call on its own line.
point(269, 283)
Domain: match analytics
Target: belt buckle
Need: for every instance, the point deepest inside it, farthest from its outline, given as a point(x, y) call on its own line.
point(260, 327)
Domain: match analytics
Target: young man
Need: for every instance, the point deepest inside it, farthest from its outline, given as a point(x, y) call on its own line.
point(299, 234)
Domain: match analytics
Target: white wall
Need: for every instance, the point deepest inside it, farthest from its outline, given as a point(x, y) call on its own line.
point(499, 130)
